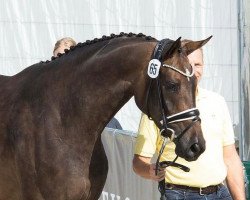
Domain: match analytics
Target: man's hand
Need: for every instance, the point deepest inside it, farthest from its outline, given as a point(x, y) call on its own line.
point(144, 168)
point(160, 173)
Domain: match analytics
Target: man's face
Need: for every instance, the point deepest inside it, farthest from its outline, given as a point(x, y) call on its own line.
point(196, 60)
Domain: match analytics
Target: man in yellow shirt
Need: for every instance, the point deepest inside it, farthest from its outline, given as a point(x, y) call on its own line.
point(219, 162)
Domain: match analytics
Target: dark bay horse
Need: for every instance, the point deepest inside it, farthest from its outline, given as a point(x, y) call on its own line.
point(52, 114)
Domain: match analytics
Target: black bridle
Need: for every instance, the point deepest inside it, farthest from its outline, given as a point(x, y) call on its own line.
point(166, 132)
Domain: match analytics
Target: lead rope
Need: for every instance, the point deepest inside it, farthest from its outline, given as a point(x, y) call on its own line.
point(165, 164)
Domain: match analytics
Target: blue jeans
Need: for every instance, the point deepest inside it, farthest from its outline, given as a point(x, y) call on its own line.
point(173, 194)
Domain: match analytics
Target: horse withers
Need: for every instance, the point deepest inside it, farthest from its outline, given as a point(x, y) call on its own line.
point(53, 113)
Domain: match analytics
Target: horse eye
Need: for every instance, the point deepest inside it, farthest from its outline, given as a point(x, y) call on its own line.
point(180, 50)
point(173, 87)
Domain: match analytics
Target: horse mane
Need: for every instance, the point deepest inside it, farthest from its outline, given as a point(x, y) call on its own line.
point(96, 40)
point(80, 45)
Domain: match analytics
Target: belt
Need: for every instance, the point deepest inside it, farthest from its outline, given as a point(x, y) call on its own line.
point(202, 191)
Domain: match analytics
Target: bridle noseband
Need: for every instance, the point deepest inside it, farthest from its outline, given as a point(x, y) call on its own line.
point(190, 114)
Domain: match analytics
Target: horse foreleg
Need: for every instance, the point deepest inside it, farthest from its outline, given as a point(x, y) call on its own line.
point(97, 171)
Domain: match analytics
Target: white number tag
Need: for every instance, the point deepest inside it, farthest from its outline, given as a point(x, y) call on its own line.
point(154, 68)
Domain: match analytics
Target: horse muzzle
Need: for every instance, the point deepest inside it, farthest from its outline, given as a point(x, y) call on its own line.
point(190, 149)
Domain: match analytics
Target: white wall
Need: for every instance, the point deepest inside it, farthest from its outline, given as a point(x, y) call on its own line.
point(29, 29)
point(245, 79)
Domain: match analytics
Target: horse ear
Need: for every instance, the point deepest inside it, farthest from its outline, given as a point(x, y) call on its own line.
point(193, 45)
point(168, 51)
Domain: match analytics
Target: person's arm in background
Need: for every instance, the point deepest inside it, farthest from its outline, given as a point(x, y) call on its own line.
point(143, 167)
point(234, 179)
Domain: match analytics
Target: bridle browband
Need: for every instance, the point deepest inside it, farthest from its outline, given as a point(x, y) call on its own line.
point(190, 114)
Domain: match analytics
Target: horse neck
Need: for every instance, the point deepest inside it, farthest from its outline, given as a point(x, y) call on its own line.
point(107, 80)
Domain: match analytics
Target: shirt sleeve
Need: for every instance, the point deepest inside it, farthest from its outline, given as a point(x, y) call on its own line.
point(145, 144)
point(228, 132)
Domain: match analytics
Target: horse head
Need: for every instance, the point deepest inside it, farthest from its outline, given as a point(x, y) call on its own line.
point(170, 96)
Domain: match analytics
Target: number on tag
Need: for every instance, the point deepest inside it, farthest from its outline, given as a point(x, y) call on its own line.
point(154, 68)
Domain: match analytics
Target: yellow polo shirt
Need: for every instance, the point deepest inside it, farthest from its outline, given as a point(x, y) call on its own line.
point(209, 168)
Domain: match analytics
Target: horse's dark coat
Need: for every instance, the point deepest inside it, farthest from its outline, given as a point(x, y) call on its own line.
point(52, 115)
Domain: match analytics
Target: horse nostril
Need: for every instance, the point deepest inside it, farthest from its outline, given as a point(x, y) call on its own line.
point(195, 148)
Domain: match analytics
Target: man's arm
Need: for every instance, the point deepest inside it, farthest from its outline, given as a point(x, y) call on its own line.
point(235, 179)
point(145, 169)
